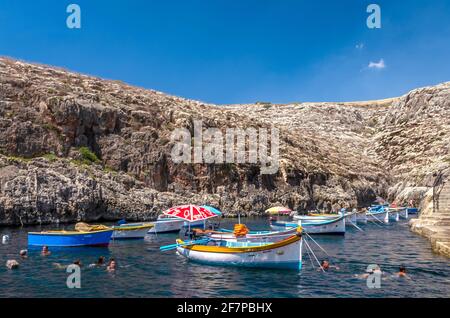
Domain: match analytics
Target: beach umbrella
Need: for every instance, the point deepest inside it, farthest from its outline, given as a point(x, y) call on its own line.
point(212, 209)
point(279, 210)
point(190, 213)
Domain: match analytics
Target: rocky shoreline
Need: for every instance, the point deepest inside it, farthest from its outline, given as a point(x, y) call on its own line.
point(79, 148)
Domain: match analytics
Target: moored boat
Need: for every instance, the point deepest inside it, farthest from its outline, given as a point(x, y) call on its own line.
point(195, 224)
point(95, 237)
point(378, 213)
point(131, 231)
point(393, 215)
point(402, 212)
point(314, 217)
point(286, 254)
point(412, 210)
point(350, 218)
point(331, 226)
point(166, 225)
point(361, 217)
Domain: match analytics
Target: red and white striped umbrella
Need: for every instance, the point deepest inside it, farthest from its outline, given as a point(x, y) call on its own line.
point(190, 213)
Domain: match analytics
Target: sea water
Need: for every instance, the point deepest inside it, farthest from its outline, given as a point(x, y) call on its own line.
point(144, 271)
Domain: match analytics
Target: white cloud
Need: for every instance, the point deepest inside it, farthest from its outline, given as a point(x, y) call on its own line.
point(359, 46)
point(377, 65)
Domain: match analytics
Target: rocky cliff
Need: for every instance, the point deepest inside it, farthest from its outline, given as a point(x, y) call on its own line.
point(76, 147)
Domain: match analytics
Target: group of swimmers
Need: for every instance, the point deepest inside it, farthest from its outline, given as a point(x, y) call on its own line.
point(111, 266)
point(325, 265)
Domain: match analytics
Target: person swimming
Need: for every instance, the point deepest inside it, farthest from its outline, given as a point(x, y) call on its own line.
point(112, 266)
point(402, 272)
point(77, 262)
point(45, 251)
point(23, 253)
point(325, 265)
point(100, 262)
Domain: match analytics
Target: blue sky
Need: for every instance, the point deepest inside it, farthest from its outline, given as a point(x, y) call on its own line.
point(240, 51)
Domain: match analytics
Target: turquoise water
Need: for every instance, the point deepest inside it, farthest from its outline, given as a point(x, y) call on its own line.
point(144, 271)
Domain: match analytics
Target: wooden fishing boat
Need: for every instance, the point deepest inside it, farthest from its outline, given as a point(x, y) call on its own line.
point(350, 218)
point(393, 215)
point(361, 217)
point(166, 224)
point(131, 231)
point(331, 226)
point(412, 210)
point(70, 238)
point(315, 217)
point(402, 212)
point(286, 254)
point(195, 224)
point(378, 213)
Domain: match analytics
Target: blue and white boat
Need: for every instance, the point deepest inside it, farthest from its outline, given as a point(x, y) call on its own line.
point(412, 210)
point(70, 238)
point(378, 213)
point(165, 224)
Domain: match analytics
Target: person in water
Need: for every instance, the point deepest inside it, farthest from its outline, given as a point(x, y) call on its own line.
point(75, 262)
point(23, 253)
point(402, 272)
point(325, 265)
point(112, 266)
point(45, 251)
point(100, 262)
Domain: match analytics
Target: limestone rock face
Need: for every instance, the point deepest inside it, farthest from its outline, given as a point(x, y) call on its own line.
point(78, 148)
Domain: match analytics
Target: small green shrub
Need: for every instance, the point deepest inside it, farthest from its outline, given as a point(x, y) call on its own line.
point(50, 157)
point(88, 155)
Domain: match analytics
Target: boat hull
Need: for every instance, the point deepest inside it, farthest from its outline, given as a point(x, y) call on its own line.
point(166, 226)
point(378, 217)
point(350, 218)
point(195, 224)
point(130, 231)
point(70, 239)
point(412, 210)
point(394, 216)
point(361, 218)
point(329, 227)
point(280, 255)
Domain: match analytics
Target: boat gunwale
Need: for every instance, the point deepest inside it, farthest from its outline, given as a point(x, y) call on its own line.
point(133, 228)
point(253, 234)
point(66, 233)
